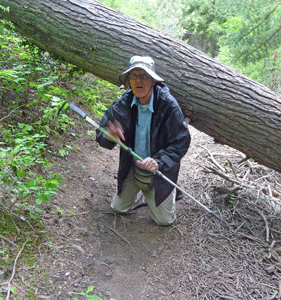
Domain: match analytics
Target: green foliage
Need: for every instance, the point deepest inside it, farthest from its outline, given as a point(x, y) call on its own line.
point(89, 297)
point(65, 150)
point(266, 71)
point(22, 149)
point(7, 228)
point(162, 15)
point(201, 18)
point(245, 35)
point(12, 289)
point(21, 63)
point(95, 93)
point(254, 32)
point(37, 85)
point(33, 86)
point(203, 25)
point(252, 40)
point(166, 16)
point(26, 146)
point(4, 9)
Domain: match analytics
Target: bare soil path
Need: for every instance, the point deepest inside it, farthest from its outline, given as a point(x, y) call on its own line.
point(129, 257)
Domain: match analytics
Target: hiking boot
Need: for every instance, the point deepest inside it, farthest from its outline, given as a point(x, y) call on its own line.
point(179, 195)
point(140, 201)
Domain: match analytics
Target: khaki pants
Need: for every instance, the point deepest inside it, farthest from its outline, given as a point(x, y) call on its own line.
point(164, 214)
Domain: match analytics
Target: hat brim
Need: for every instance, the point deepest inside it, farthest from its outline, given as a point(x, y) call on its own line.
point(124, 76)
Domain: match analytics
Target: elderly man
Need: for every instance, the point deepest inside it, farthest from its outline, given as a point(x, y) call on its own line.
point(148, 119)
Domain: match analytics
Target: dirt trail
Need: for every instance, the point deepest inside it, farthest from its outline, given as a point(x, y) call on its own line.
point(129, 257)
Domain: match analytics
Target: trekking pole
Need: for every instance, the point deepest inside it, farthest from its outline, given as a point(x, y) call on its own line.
point(77, 110)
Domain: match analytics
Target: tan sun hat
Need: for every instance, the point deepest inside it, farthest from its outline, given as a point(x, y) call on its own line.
point(143, 62)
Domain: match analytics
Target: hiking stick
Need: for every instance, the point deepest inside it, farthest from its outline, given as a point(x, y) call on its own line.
point(77, 110)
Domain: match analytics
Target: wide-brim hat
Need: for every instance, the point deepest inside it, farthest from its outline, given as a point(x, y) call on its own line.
point(143, 62)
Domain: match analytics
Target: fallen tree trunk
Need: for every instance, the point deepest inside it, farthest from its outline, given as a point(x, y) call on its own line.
point(219, 101)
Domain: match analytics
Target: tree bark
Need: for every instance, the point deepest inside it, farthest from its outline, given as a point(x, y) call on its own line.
point(219, 101)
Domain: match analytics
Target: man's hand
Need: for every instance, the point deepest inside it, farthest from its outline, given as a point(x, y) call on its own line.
point(148, 164)
point(116, 130)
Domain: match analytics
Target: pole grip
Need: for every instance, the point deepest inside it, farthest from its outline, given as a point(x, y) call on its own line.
point(77, 110)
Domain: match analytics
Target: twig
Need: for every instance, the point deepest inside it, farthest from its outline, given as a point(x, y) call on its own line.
point(3, 238)
point(243, 160)
point(273, 296)
point(253, 238)
point(262, 20)
point(266, 41)
point(269, 192)
point(265, 176)
point(231, 166)
point(213, 160)
point(70, 286)
point(14, 271)
point(124, 222)
point(246, 174)
point(266, 224)
point(114, 222)
point(276, 231)
point(121, 237)
point(20, 217)
point(227, 178)
point(239, 227)
point(11, 113)
point(279, 294)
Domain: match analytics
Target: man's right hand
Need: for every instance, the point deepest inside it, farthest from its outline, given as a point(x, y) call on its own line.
point(149, 164)
point(116, 130)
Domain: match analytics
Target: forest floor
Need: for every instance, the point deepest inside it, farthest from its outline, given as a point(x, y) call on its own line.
point(130, 257)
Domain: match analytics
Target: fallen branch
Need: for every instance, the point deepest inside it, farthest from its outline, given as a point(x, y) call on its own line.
point(213, 160)
point(266, 224)
point(273, 296)
point(279, 294)
point(20, 217)
point(263, 191)
point(232, 168)
point(13, 272)
point(253, 238)
point(3, 238)
point(226, 177)
point(121, 237)
point(11, 113)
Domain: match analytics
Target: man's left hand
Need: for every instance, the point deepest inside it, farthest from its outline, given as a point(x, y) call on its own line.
point(148, 164)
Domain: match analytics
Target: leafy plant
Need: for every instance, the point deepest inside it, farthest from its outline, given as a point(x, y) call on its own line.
point(33, 86)
point(65, 150)
point(89, 297)
point(231, 200)
point(12, 289)
point(95, 93)
point(24, 149)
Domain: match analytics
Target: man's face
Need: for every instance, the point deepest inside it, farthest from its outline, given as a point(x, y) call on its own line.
point(141, 84)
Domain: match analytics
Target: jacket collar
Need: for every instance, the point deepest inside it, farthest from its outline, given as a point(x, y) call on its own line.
point(150, 107)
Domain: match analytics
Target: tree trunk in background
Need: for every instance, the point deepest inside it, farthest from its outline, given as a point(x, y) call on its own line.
point(219, 101)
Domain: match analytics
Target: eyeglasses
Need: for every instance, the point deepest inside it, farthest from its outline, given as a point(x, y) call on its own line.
point(143, 76)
